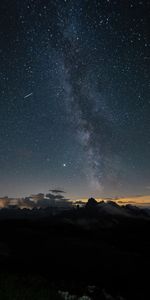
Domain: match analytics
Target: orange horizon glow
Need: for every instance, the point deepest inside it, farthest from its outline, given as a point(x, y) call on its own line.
point(134, 200)
point(138, 200)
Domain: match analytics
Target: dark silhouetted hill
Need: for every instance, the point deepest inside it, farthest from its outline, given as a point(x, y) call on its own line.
point(101, 244)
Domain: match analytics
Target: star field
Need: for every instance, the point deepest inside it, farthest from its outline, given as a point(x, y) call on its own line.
point(74, 97)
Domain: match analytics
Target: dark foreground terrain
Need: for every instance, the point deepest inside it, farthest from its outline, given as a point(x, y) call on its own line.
point(99, 252)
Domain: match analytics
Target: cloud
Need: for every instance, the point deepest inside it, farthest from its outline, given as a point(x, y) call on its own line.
point(148, 187)
point(135, 200)
point(38, 200)
point(57, 191)
point(129, 202)
point(25, 203)
point(4, 201)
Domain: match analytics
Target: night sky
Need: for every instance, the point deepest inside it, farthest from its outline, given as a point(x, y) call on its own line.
point(75, 97)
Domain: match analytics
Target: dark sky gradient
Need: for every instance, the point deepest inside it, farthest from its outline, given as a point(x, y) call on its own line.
point(85, 126)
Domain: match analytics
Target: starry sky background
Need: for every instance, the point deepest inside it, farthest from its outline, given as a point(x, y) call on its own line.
point(74, 97)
